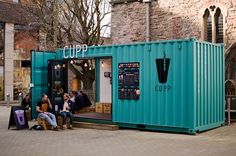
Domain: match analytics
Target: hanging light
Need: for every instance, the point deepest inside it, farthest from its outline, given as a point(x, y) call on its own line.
point(63, 65)
point(102, 64)
point(90, 68)
point(17, 46)
point(85, 65)
point(71, 62)
point(55, 67)
point(58, 66)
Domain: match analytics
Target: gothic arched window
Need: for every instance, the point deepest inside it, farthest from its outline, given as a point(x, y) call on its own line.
point(213, 25)
point(207, 26)
point(219, 26)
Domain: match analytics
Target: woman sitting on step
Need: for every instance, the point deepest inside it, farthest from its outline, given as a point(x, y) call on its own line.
point(65, 111)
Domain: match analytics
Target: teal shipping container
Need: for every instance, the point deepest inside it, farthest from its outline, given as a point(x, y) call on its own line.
point(175, 85)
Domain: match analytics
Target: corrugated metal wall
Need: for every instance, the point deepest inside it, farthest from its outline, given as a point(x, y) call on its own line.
point(209, 85)
point(195, 100)
point(157, 106)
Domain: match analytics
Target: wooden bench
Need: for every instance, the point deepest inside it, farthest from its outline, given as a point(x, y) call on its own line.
point(43, 123)
point(60, 121)
point(28, 114)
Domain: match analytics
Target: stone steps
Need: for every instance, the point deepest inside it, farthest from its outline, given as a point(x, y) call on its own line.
point(95, 126)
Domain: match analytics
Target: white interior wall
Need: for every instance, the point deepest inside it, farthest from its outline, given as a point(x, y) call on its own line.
point(105, 85)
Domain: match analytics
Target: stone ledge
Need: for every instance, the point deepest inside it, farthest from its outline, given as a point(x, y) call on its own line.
point(113, 2)
point(14, 102)
point(96, 126)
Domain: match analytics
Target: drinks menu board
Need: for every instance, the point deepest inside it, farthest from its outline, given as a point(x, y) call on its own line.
point(128, 80)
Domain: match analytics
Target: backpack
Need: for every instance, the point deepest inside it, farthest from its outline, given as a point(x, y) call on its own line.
point(36, 127)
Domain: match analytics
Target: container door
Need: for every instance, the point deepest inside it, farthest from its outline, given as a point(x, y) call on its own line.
point(39, 76)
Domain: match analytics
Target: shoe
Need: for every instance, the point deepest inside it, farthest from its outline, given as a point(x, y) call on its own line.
point(71, 128)
point(63, 127)
point(55, 129)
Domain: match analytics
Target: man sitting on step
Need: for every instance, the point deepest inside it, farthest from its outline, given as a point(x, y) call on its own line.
point(43, 108)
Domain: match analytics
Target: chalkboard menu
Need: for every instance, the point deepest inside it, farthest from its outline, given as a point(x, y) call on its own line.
point(128, 81)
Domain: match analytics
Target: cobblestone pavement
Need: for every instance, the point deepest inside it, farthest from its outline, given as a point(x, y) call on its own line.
point(90, 142)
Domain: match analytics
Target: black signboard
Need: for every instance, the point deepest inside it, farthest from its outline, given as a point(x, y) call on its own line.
point(128, 80)
point(57, 81)
point(18, 118)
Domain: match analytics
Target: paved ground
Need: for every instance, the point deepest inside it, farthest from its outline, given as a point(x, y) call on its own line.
point(87, 142)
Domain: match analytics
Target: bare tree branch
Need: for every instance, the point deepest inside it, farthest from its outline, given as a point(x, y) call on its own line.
point(67, 22)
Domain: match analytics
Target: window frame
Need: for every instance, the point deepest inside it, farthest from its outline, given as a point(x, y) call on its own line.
point(213, 12)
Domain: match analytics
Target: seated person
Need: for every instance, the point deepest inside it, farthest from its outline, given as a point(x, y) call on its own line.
point(86, 99)
point(72, 96)
point(42, 109)
point(26, 102)
point(65, 110)
point(71, 101)
point(79, 101)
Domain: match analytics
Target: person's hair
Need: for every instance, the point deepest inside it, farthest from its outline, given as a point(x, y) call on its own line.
point(73, 92)
point(81, 91)
point(67, 95)
point(43, 95)
point(27, 95)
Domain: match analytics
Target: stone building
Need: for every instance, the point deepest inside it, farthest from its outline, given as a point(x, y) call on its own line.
point(152, 20)
point(16, 42)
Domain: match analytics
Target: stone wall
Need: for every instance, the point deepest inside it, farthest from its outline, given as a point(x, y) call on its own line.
point(8, 67)
point(231, 22)
point(170, 19)
point(128, 23)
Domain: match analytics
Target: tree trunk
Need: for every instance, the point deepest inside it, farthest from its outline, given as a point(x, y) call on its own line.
point(89, 89)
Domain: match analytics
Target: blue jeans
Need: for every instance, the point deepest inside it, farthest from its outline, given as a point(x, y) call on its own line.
point(69, 114)
point(50, 118)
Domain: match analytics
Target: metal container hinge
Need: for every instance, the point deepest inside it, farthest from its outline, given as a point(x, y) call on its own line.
point(149, 48)
point(180, 46)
